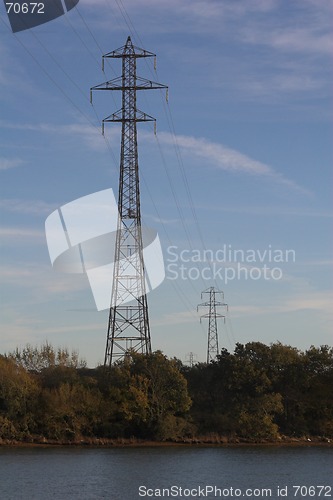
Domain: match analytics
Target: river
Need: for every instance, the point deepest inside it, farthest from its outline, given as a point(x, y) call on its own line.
point(165, 472)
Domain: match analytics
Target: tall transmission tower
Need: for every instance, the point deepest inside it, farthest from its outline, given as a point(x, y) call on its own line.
point(212, 315)
point(128, 326)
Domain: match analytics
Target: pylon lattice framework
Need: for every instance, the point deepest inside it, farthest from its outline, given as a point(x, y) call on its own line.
point(190, 358)
point(128, 325)
point(212, 315)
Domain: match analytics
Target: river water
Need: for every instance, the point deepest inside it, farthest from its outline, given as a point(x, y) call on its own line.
point(166, 472)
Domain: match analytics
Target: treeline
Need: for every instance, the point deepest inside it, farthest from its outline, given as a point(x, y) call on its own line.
point(262, 391)
point(259, 392)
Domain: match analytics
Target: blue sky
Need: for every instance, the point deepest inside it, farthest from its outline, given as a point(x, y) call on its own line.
point(242, 158)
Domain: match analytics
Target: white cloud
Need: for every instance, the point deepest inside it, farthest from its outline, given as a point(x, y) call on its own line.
point(194, 9)
point(41, 281)
point(327, 262)
point(177, 318)
point(316, 300)
point(34, 330)
point(301, 36)
point(301, 40)
point(10, 274)
point(6, 164)
point(160, 220)
point(257, 21)
point(87, 133)
point(267, 211)
point(34, 207)
point(283, 83)
point(228, 159)
point(308, 39)
point(215, 153)
point(17, 233)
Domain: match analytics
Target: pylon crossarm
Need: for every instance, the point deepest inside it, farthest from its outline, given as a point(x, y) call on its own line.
point(204, 304)
point(204, 316)
point(117, 84)
point(140, 117)
point(149, 84)
point(136, 52)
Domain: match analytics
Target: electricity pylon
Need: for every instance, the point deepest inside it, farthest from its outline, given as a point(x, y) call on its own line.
point(128, 326)
point(212, 315)
point(190, 358)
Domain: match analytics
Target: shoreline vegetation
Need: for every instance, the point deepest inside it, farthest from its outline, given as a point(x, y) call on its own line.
point(203, 441)
point(271, 395)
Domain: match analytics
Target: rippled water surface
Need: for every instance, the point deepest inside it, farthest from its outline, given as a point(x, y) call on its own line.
point(183, 472)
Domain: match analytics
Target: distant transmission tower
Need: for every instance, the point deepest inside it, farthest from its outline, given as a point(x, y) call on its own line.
point(128, 326)
point(212, 315)
point(190, 358)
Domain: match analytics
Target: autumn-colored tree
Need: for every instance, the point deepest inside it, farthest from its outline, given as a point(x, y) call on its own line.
point(260, 391)
point(18, 400)
point(148, 396)
point(255, 393)
point(37, 359)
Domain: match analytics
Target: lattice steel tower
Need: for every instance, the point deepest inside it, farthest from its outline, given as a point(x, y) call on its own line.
point(128, 326)
point(212, 315)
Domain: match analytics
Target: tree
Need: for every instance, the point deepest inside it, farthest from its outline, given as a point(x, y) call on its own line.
point(240, 400)
point(36, 359)
point(318, 404)
point(69, 411)
point(149, 395)
point(18, 400)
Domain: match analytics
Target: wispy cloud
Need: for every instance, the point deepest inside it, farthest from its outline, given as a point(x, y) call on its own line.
point(17, 233)
point(321, 262)
point(320, 301)
point(314, 300)
point(267, 211)
point(41, 281)
point(262, 22)
point(33, 330)
point(33, 207)
point(298, 40)
point(196, 10)
point(300, 35)
point(178, 318)
point(161, 220)
point(87, 133)
point(221, 156)
point(6, 163)
point(216, 154)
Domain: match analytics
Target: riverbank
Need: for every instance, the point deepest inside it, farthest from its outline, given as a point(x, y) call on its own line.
point(212, 440)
